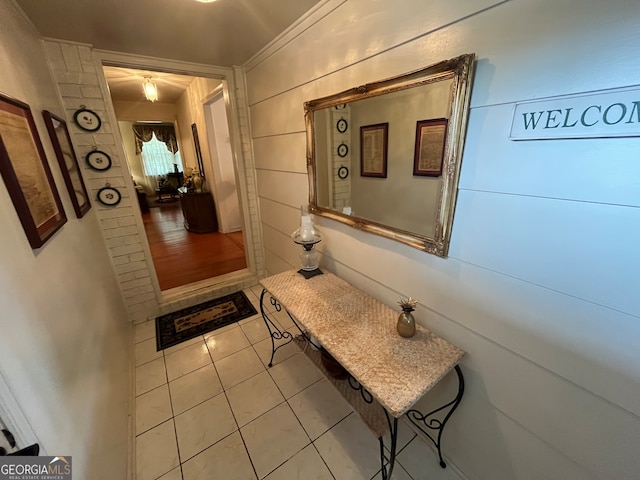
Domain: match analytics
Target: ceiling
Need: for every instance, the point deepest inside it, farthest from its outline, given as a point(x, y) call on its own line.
point(222, 33)
point(125, 84)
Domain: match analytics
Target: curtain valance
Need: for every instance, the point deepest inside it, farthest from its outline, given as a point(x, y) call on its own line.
point(165, 133)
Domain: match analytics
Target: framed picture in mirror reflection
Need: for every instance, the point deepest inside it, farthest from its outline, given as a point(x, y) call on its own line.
point(373, 150)
point(429, 149)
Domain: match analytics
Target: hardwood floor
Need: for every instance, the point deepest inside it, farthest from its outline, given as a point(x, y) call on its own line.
point(181, 257)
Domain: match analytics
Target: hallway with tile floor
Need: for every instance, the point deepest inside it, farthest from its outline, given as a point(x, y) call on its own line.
point(209, 408)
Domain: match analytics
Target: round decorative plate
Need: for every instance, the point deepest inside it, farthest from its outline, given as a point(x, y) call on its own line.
point(341, 106)
point(98, 160)
point(343, 172)
point(342, 125)
point(87, 120)
point(109, 196)
point(343, 149)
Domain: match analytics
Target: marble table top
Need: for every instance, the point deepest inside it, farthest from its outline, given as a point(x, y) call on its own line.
point(360, 332)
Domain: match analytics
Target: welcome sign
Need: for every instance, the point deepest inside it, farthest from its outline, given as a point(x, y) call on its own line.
point(601, 114)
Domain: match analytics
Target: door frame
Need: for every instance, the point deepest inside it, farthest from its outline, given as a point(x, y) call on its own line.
point(242, 157)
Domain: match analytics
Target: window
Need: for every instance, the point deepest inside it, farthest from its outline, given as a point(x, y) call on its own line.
point(157, 159)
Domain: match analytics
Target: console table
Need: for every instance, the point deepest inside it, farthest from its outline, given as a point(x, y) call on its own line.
point(388, 373)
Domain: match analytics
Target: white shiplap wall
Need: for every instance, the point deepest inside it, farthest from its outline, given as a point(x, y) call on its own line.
point(539, 287)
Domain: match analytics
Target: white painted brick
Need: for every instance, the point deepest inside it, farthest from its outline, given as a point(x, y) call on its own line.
point(91, 92)
point(121, 260)
point(131, 266)
point(141, 298)
point(104, 139)
point(86, 58)
point(117, 212)
point(142, 273)
point(115, 242)
point(135, 283)
point(109, 223)
point(124, 221)
point(132, 239)
point(126, 277)
point(137, 257)
point(71, 58)
point(125, 249)
point(54, 55)
point(120, 232)
point(134, 293)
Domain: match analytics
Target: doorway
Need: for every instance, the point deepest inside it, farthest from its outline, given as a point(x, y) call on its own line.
point(182, 253)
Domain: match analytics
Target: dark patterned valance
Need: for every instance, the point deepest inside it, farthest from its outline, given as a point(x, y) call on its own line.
point(165, 133)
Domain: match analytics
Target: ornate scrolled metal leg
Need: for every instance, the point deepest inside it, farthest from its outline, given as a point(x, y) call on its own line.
point(274, 332)
point(385, 463)
point(387, 468)
point(434, 424)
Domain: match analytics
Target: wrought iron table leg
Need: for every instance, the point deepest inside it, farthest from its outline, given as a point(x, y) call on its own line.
point(433, 423)
point(393, 431)
point(386, 464)
point(274, 332)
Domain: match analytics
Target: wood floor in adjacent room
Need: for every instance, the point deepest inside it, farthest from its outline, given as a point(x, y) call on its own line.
point(181, 257)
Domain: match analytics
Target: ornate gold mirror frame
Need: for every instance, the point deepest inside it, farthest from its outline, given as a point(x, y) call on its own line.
point(385, 157)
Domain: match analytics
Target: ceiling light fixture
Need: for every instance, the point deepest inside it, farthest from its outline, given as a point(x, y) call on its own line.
point(205, 1)
point(150, 89)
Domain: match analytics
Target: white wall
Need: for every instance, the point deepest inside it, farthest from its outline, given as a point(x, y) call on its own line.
point(229, 218)
point(65, 339)
point(540, 284)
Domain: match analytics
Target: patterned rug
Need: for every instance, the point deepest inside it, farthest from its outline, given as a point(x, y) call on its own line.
point(176, 327)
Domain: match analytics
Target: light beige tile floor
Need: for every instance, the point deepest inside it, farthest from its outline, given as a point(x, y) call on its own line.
point(210, 408)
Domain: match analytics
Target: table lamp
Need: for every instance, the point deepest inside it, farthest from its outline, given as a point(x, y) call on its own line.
point(307, 236)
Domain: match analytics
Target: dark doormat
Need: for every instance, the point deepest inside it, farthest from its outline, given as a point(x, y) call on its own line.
point(176, 327)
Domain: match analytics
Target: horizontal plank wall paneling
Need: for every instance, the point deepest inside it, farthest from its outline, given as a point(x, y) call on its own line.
point(281, 152)
point(358, 29)
point(555, 168)
point(501, 238)
point(539, 287)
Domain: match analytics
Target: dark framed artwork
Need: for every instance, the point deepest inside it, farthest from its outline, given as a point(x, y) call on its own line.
point(373, 150)
point(61, 141)
point(429, 151)
point(196, 141)
point(26, 173)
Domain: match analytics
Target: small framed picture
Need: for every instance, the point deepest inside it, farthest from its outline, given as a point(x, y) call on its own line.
point(109, 196)
point(68, 162)
point(98, 160)
point(431, 137)
point(87, 120)
point(343, 150)
point(373, 150)
point(342, 125)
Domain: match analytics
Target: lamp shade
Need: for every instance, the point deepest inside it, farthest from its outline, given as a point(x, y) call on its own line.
point(150, 90)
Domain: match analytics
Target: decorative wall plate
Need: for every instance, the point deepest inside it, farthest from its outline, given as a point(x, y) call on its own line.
point(341, 106)
point(342, 125)
point(343, 172)
point(343, 150)
point(87, 120)
point(98, 160)
point(109, 196)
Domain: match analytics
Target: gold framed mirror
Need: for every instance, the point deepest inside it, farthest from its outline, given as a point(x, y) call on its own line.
point(385, 157)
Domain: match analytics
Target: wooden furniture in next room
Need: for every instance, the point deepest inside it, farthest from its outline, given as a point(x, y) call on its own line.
point(199, 212)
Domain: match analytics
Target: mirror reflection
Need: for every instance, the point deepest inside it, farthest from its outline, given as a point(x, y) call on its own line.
point(385, 157)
